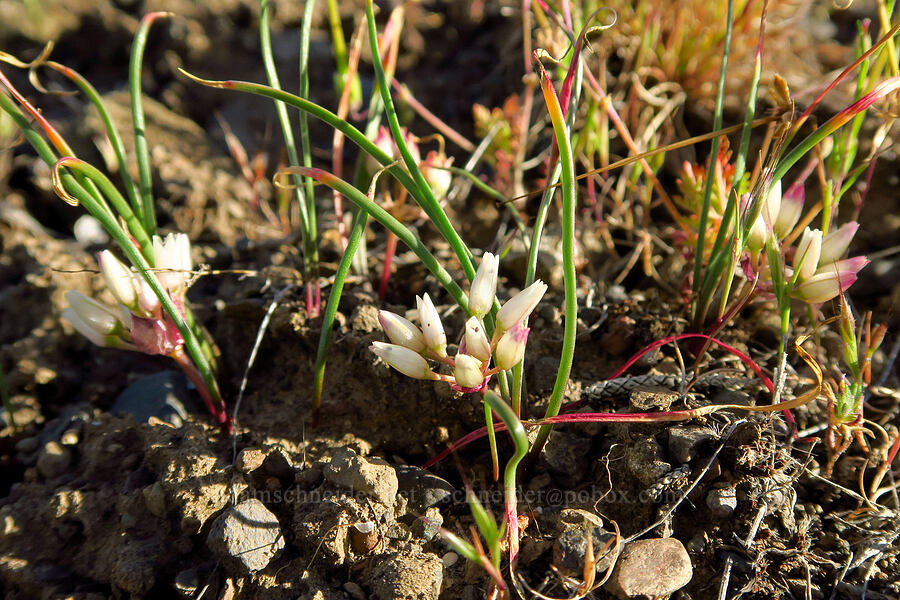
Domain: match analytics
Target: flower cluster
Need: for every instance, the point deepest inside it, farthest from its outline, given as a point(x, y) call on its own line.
point(412, 347)
point(817, 272)
point(138, 321)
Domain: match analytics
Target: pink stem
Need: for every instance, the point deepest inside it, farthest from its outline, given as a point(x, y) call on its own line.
point(389, 251)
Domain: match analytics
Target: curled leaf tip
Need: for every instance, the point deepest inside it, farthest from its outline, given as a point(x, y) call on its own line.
point(202, 81)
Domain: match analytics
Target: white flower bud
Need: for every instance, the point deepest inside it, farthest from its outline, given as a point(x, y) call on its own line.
point(467, 371)
point(806, 259)
point(517, 308)
point(511, 348)
point(484, 286)
point(119, 279)
point(836, 243)
point(790, 211)
point(91, 319)
point(432, 329)
point(401, 331)
point(407, 361)
point(476, 341)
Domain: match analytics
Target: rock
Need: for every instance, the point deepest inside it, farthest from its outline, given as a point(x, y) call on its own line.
point(651, 568)
point(161, 395)
point(406, 575)
point(428, 525)
point(576, 518)
point(28, 445)
point(651, 399)
point(449, 559)
point(354, 591)
point(155, 499)
point(722, 502)
point(54, 460)
point(570, 551)
point(565, 457)
point(644, 460)
point(278, 464)
point(187, 582)
point(421, 488)
point(685, 441)
point(247, 534)
point(371, 476)
point(88, 231)
point(249, 459)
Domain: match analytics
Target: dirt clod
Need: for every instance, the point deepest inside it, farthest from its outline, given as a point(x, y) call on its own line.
point(371, 476)
point(407, 575)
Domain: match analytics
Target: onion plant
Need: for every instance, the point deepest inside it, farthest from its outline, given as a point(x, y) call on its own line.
point(152, 315)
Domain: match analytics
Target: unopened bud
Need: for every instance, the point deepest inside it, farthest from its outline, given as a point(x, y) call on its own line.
point(517, 308)
point(401, 331)
point(119, 279)
point(467, 371)
point(484, 286)
point(432, 329)
point(806, 260)
point(511, 348)
point(476, 341)
point(403, 359)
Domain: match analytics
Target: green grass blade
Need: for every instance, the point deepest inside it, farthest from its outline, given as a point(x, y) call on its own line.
point(142, 151)
point(334, 297)
point(713, 154)
point(520, 441)
point(311, 247)
point(115, 198)
point(569, 197)
point(112, 132)
point(425, 197)
point(287, 131)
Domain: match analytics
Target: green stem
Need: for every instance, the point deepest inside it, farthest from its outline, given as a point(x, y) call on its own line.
point(569, 196)
point(520, 440)
point(425, 196)
point(356, 234)
point(713, 156)
point(142, 151)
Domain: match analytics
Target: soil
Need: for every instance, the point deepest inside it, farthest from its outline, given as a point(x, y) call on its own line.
point(98, 505)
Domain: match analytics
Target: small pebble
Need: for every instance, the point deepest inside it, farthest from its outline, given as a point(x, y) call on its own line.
point(450, 559)
point(161, 395)
point(88, 231)
point(651, 568)
point(722, 502)
point(54, 460)
point(406, 575)
point(354, 590)
point(570, 550)
point(684, 441)
point(70, 438)
point(28, 445)
point(187, 582)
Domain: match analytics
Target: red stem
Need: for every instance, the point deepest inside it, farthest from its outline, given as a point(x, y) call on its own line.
point(390, 249)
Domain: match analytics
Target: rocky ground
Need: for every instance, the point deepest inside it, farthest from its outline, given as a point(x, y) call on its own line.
point(116, 484)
